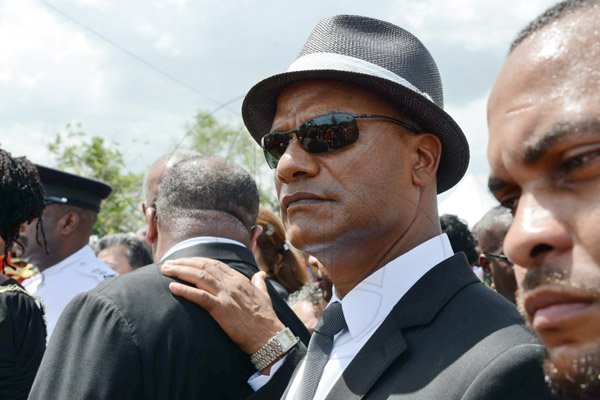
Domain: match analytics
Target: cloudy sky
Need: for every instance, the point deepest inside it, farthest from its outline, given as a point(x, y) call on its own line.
point(135, 72)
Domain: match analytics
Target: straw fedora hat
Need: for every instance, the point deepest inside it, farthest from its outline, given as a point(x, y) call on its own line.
point(378, 56)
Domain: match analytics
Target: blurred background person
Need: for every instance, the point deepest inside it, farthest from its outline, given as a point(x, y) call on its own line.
point(123, 252)
point(275, 256)
point(308, 304)
point(489, 233)
point(22, 328)
point(14, 267)
point(322, 278)
point(461, 239)
point(460, 236)
point(69, 266)
point(152, 180)
point(141, 235)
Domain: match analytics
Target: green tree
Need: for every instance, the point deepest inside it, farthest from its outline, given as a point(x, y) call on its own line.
point(210, 136)
point(92, 156)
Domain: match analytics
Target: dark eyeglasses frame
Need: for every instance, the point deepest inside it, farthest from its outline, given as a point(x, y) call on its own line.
point(272, 160)
point(502, 257)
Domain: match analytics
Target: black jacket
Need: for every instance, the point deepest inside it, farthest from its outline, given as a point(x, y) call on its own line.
point(449, 337)
point(130, 338)
point(22, 339)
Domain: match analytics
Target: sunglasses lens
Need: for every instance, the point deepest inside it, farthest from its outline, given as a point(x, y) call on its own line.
point(274, 145)
point(328, 132)
point(319, 135)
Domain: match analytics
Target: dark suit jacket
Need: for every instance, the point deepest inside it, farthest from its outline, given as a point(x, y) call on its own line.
point(130, 338)
point(450, 337)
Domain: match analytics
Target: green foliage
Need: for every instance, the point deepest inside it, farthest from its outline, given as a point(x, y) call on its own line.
point(216, 138)
point(91, 156)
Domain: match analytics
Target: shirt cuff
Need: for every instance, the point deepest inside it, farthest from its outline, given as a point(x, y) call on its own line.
point(259, 380)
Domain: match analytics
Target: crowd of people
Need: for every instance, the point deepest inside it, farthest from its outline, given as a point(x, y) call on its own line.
point(355, 288)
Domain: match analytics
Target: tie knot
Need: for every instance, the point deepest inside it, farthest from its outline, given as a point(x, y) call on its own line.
point(332, 322)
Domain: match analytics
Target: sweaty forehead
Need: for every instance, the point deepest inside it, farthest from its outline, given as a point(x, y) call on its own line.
point(552, 76)
point(559, 58)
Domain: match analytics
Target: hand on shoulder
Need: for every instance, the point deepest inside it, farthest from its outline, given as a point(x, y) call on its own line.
point(241, 307)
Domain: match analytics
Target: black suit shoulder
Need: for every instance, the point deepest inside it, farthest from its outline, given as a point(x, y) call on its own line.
point(148, 344)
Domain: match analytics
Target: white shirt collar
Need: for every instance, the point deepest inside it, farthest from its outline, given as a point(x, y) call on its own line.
point(198, 240)
point(370, 302)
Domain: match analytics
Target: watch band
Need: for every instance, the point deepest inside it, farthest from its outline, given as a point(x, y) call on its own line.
point(277, 346)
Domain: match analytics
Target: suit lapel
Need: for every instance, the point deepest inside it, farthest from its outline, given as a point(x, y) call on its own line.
point(418, 306)
point(386, 345)
point(287, 389)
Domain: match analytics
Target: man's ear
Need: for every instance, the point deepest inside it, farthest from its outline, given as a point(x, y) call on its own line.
point(69, 222)
point(429, 152)
point(484, 263)
point(151, 222)
point(255, 232)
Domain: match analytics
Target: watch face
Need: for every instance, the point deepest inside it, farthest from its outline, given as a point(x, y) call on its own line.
point(286, 339)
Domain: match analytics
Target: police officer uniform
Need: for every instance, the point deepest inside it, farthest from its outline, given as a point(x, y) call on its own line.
point(57, 285)
point(81, 271)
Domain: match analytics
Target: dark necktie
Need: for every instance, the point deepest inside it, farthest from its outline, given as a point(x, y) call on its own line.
point(321, 342)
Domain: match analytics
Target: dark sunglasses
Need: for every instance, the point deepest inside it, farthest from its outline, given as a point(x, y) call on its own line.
point(321, 134)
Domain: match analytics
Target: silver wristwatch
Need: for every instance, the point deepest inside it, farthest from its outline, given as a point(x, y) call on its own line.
point(277, 346)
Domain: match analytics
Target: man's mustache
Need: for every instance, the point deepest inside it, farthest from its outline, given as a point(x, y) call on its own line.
point(546, 274)
point(558, 277)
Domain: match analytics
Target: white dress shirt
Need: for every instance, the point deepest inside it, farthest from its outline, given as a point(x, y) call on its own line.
point(58, 284)
point(197, 240)
point(369, 303)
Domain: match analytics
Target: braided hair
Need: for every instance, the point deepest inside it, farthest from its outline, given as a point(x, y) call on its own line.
point(21, 199)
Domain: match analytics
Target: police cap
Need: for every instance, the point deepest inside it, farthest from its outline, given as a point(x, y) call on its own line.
point(65, 188)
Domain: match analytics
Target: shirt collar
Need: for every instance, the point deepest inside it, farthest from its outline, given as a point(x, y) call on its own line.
point(198, 240)
point(85, 252)
point(370, 302)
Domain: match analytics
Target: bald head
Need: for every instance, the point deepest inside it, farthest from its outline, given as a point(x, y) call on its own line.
point(489, 232)
point(206, 196)
point(155, 175)
point(159, 169)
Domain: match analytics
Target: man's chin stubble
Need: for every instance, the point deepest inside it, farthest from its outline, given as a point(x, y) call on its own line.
point(575, 376)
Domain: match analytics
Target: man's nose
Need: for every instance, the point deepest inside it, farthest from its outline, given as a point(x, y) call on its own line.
point(296, 162)
point(536, 233)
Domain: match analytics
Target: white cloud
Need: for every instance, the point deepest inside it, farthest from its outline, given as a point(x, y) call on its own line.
point(166, 43)
point(40, 54)
point(28, 139)
point(179, 5)
point(474, 24)
point(471, 117)
point(103, 5)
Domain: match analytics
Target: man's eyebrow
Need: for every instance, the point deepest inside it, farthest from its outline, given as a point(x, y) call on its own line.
point(535, 149)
